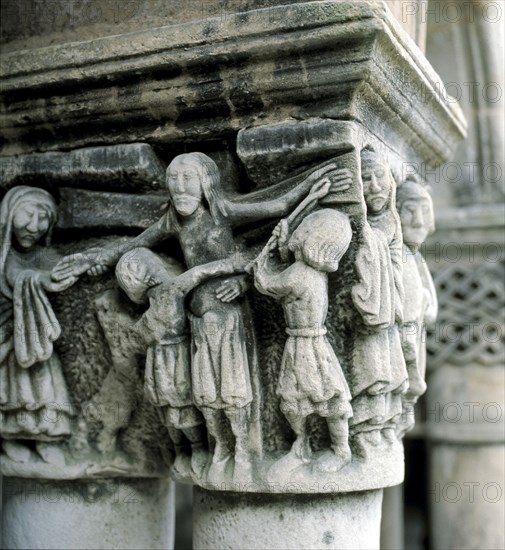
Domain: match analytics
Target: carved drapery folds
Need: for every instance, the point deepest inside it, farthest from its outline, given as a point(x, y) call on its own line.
point(250, 317)
point(185, 324)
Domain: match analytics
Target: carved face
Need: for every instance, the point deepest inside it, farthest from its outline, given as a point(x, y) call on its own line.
point(29, 224)
point(417, 219)
point(185, 186)
point(376, 186)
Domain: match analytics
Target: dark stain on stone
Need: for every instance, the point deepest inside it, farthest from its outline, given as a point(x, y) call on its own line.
point(328, 537)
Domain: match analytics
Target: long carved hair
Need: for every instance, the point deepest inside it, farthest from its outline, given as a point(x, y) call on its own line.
point(210, 180)
point(10, 203)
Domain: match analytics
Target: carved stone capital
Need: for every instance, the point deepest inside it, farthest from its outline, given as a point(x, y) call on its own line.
point(257, 336)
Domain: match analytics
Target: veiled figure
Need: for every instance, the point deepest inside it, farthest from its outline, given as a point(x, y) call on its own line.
point(34, 399)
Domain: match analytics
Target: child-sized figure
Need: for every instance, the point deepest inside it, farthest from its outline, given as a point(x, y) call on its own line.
point(311, 380)
point(147, 278)
point(202, 218)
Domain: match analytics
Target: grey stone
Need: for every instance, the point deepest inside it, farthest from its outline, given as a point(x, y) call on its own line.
point(279, 197)
point(342, 51)
point(227, 521)
point(109, 514)
point(124, 167)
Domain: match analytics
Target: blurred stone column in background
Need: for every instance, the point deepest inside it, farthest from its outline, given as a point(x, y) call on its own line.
point(465, 399)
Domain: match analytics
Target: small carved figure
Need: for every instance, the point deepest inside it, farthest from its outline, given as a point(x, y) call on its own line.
point(34, 400)
point(378, 376)
point(147, 278)
point(202, 220)
point(420, 307)
point(311, 380)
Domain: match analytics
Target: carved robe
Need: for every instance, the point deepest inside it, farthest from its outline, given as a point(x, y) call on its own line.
point(311, 380)
point(34, 400)
point(420, 310)
point(378, 371)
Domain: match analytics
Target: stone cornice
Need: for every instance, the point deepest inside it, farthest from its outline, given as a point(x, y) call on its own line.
point(205, 79)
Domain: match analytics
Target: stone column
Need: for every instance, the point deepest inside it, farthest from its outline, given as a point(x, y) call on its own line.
point(104, 513)
point(466, 400)
point(242, 520)
point(261, 327)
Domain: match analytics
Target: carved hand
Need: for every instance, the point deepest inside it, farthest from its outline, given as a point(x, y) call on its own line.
point(320, 189)
point(93, 261)
point(280, 233)
point(230, 289)
point(71, 265)
point(57, 286)
point(340, 179)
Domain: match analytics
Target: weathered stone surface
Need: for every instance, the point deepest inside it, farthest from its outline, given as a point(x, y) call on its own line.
point(108, 514)
point(28, 24)
point(31, 23)
point(124, 167)
point(223, 520)
point(286, 142)
point(217, 76)
point(91, 209)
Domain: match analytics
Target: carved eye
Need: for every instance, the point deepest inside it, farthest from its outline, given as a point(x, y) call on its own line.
point(29, 210)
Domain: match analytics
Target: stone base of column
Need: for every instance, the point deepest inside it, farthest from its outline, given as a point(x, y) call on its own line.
point(266, 521)
point(113, 513)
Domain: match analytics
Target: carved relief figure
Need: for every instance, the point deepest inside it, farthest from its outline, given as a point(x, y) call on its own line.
point(34, 400)
point(420, 307)
point(147, 278)
point(379, 375)
point(202, 220)
point(311, 380)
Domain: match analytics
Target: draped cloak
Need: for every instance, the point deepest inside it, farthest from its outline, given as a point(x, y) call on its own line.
point(34, 400)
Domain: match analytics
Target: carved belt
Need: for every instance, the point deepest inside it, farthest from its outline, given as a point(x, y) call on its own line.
point(306, 332)
point(171, 341)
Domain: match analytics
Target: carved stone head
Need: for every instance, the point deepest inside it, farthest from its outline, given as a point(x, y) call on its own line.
point(141, 269)
point(28, 214)
point(192, 177)
point(415, 207)
point(321, 239)
point(377, 181)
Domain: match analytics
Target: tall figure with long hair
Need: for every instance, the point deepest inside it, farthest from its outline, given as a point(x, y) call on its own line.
point(378, 375)
point(202, 218)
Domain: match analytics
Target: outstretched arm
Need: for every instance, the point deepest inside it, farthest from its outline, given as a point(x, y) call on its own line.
point(240, 212)
point(97, 260)
point(200, 273)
